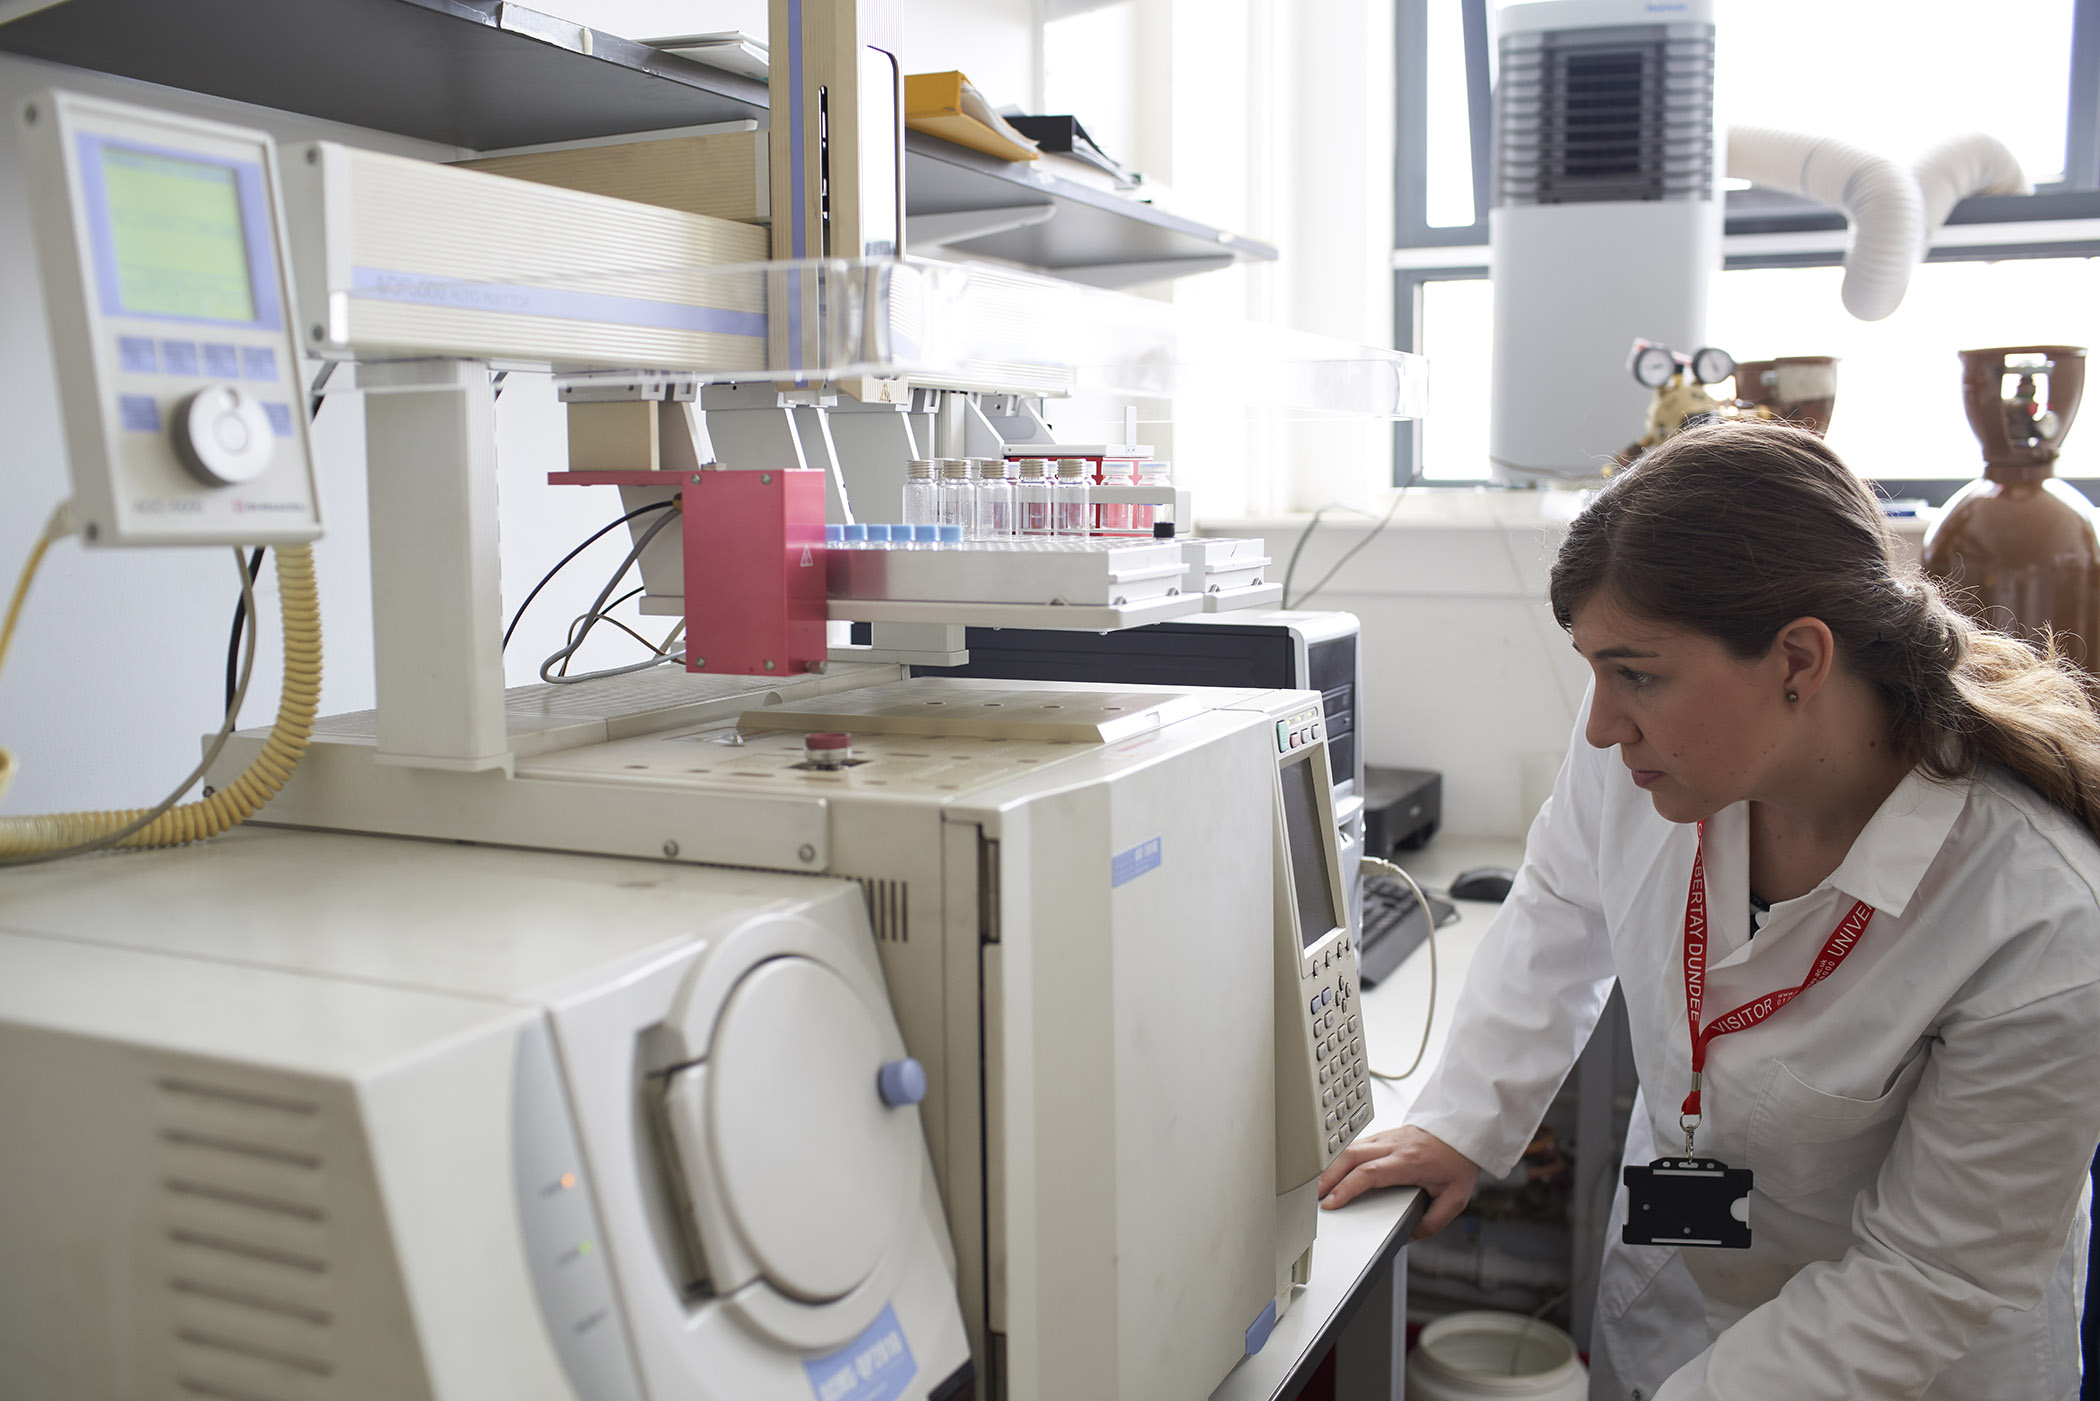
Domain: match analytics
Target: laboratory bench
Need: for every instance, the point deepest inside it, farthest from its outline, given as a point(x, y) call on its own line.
point(1356, 1302)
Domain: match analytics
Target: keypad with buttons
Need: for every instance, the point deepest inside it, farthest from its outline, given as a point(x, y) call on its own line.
point(1334, 1030)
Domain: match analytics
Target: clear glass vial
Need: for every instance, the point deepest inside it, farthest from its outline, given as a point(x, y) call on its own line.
point(921, 492)
point(958, 498)
point(995, 500)
point(1116, 516)
point(1072, 499)
point(1032, 497)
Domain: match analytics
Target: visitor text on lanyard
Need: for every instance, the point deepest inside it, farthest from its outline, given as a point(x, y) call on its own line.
point(1757, 1009)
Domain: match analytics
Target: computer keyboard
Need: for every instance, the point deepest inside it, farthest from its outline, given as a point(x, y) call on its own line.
point(1393, 926)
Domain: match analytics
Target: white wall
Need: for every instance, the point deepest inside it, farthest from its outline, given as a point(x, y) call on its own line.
point(1465, 671)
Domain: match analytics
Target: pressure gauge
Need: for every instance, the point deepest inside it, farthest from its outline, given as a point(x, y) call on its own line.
point(1712, 365)
point(1652, 364)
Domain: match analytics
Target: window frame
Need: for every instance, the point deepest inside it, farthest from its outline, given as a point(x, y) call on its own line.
point(1761, 229)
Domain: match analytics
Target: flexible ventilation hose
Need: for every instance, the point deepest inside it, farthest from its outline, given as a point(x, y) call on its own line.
point(1880, 198)
point(239, 800)
point(1893, 213)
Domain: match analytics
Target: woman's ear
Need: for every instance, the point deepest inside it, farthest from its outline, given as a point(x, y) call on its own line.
point(1806, 650)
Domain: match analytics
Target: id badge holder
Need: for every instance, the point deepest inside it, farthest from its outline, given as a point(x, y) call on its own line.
point(1688, 1201)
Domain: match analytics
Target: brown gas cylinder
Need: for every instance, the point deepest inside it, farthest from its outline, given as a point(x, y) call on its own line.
point(2018, 546)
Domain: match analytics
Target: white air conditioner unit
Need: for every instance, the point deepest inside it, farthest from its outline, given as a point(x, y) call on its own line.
point(1606, 222)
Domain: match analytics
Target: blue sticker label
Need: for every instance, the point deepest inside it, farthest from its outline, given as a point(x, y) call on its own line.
point(138, 355)
point(1131, 864)
point(280, 416)
point(876, 1366)
point(222, 361)
point(258, 363)
point(179, 356)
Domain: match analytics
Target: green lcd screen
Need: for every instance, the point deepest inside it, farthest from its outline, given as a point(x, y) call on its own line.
point(175, 231)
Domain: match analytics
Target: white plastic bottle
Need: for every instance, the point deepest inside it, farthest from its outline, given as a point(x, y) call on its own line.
point(921, 493)
point(958, 498)
point(1032, 497)
point(1072, 499)
point(995, 500)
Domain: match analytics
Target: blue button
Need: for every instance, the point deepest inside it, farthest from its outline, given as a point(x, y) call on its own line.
point(901, 1082)
point(222, 361)
point(280, 419)
point(137, 355)
point(179, 356)
point(140, 412)
point(258, 362)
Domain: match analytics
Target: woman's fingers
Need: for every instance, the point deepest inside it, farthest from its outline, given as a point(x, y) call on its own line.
point(1444, 1208)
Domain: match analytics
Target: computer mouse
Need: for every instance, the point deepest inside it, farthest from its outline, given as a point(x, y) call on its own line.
point(1483, 883)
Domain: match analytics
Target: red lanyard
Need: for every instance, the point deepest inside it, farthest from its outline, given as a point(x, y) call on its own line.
point(1757, 1009)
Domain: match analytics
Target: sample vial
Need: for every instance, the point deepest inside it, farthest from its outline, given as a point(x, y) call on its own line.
point(995, 500)
point(958, 499)
point(1149, 474)
point(921, 492)
point(925, 537)
point(877, 536)
point(1071, 499)
point(834, 535)
point(951, 537)
point(855, 536)
point(1116, 516)
point(1032, 497)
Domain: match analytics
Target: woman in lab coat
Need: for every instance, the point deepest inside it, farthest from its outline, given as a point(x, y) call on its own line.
point(1775, 693)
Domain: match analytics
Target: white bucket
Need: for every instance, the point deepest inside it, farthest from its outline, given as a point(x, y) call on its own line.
point(1477, 1355)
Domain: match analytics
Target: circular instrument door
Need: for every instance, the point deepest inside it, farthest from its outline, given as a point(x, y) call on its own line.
point(815, 1167)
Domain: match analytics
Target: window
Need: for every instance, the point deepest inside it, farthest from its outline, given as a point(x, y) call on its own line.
point(2008, 270)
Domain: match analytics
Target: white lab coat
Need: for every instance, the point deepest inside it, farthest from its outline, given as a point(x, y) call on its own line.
point(1920, 1123)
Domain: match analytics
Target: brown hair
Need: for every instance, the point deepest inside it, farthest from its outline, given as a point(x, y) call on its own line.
point(1735, 530)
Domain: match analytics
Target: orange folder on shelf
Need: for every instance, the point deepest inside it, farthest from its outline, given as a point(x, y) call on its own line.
point(945, 105)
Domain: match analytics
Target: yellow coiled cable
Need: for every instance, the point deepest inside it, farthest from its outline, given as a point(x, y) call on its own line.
point(239, 800)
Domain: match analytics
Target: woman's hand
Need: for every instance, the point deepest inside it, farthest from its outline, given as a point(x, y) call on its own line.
point(1405, 1157)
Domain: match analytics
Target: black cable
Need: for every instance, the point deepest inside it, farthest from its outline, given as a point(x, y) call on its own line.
point(595, 537)
point(240, 605)
point(240, 622)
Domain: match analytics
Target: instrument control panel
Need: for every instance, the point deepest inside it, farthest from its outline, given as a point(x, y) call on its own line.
point(1323, 1085)
point(161, 241)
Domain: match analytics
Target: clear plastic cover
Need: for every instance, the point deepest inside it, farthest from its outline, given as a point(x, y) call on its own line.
point(929, 324)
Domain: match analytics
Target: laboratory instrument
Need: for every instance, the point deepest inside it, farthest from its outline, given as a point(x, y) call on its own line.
point(1023, 856)
point(400, 1119)
point(161, 240)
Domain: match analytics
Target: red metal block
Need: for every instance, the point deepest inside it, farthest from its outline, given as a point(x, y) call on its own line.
point(754, 572)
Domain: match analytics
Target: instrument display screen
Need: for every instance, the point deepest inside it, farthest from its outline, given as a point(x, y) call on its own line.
point(176, 232)
point(1308, 839)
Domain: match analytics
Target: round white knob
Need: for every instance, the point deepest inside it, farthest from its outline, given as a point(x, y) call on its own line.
point(222, 435)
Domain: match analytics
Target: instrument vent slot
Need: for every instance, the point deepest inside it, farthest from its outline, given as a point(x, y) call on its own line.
point(245, 1242)
point(889, 909)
